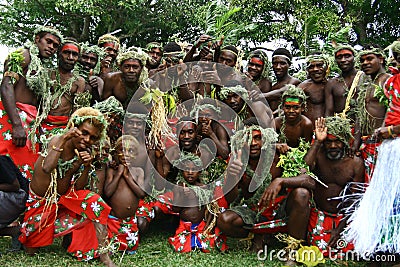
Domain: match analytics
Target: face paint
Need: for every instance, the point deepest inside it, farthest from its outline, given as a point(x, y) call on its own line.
point(292, 101)
point(255, 60)
point(112, 45)
point(71, 47)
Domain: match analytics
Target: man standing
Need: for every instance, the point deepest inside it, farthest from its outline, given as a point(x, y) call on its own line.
point(281, 61)
point(18, 106)
point(89, 65)
point(314, 87)
point(329, 160)
point(66, 93)
point(155, 52)
point(258, 70)
point(370, 111)
point(341, 95)
point(124, 83)
point(374, 225)
point(57, 191)
point(111, 45)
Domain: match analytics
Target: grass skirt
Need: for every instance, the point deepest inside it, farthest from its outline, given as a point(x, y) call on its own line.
point(375, 225)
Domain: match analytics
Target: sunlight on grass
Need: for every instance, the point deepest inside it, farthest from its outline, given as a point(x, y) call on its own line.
point(154, 250)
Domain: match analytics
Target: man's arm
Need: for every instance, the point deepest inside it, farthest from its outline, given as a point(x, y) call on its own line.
point(108, 87)
point(135, 181)
point(232, 178)
point(55, 148)
point(271, 192)
point(320, 135)
point(263, 113)
point(14, 187)
point(329, 108)
point(9, 103)
point(220, 138)
point(112, 180)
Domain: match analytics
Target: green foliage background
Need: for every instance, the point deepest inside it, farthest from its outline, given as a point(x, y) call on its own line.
point(141, 21)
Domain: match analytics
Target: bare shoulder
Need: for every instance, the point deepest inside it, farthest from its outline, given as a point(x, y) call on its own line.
point(358, 162)
point(80, 84)
point(25, 54)
point(294, 81)
point(278, 122)
point(136, 171)
point(113, 76)
point(306, 122)
point(305, 84)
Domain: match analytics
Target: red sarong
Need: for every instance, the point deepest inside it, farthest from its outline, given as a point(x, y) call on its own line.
point(189, 236)
point(125, 232)
point(145, 210)
point(369, 153)
point(392, 91)
point(52, 125)
point(164, 202)
point(74, 210)
point(319, 225)
point(23, 157)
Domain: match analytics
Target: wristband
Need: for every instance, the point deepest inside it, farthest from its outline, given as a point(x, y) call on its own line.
point(389, 129)
point(57, 149)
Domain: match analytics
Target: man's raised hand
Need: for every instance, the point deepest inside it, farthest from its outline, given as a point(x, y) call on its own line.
point(320, 129)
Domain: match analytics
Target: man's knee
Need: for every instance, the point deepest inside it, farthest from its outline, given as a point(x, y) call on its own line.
point(301, 196)
point(227, 219)
point(143, 225)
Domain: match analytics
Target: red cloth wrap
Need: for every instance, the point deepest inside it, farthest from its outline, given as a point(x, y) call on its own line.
point(392, 90)
point(181, 241)
point(319, 225)
point(23, 157)
point(76, 212)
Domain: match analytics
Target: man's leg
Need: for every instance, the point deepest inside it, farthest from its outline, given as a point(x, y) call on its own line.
point(101, 233)
point(298, 210)
point(231, 224)
point(143, 225)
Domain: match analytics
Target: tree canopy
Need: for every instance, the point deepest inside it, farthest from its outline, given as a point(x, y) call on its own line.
point(141, 21)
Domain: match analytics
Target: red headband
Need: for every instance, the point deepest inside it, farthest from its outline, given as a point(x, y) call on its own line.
point(112, 45)
point(71, 47)
point(343, 52)
point(257, 61)
point(256, 132)
point(331, 136)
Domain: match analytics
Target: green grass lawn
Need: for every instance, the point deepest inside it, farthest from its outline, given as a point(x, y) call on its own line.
point(154, 250)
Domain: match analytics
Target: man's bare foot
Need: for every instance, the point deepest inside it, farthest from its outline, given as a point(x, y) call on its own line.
point(105, 258)
point(290, 263)
point(257, 243)
point(31, 251)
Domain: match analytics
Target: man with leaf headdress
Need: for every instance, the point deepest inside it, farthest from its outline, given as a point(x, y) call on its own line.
point(341, 94)
point(374, 226)
point(236, 97)
point(89, 66)
point(59, 191)
point(258, 67)
point(329, 160)
point(256, 197)
point(25, 71)
point(111, 45)
point(371, 106)
point(318, 70)
point(123, 84)
point(292, 126)
point(65, 93)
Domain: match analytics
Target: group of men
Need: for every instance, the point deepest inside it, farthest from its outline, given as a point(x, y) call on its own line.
point(94, 109)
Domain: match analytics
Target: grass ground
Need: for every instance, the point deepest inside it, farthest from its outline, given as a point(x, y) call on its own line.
point(154, 250)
